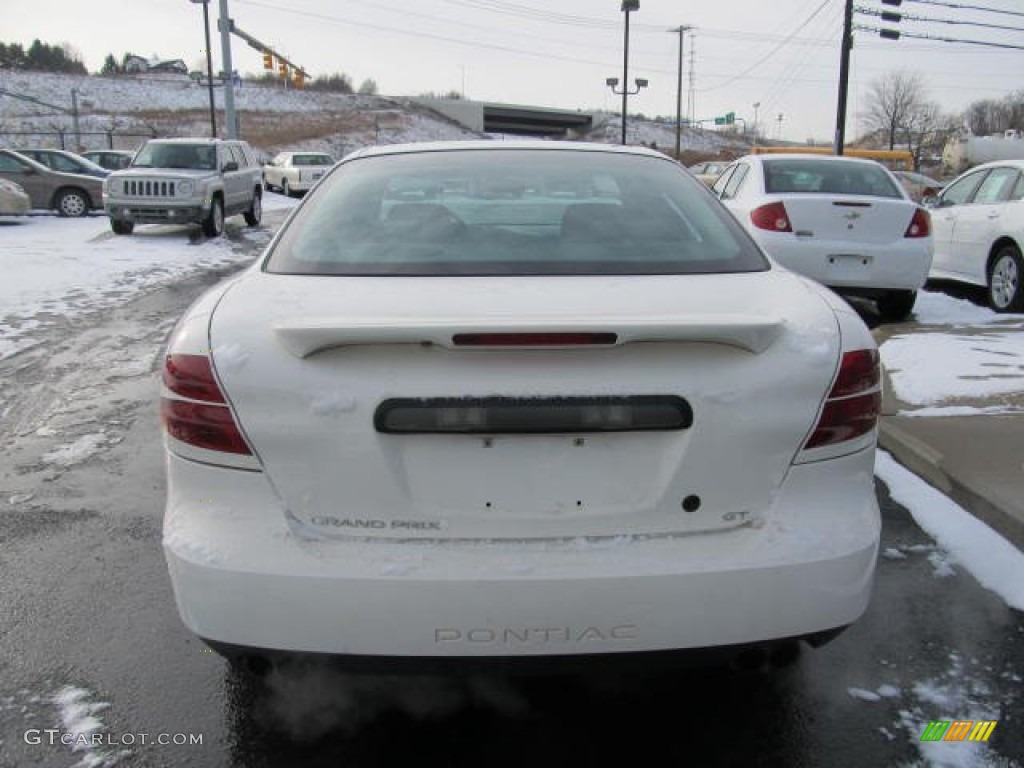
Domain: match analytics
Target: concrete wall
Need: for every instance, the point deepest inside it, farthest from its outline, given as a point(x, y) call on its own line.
point(467, 113)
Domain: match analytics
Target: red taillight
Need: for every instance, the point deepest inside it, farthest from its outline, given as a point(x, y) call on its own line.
point(853, 405)
point(191, 376)
point(920, 225)
point(772, 217)
point(532, 339)
point(207, 424)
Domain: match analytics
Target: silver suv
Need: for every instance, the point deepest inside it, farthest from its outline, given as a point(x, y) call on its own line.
point(185, 181)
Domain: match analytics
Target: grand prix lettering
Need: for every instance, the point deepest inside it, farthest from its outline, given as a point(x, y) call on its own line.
point(376, 525)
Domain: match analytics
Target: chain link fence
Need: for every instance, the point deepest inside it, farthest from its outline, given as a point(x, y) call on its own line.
point(75, 141)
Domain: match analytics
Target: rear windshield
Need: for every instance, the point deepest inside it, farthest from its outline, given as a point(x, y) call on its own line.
point(305, 160)
point(511, 212)
point(824, 176)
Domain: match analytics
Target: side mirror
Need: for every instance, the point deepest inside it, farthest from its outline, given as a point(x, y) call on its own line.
point(229, 166)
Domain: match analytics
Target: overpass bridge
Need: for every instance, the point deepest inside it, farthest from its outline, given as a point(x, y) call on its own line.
point(490, 117)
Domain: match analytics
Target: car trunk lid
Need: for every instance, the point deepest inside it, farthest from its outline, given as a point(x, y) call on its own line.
point(585, 365)
point(852, 219)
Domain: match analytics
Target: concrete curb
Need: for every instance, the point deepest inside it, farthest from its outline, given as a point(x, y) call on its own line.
point(928, 464)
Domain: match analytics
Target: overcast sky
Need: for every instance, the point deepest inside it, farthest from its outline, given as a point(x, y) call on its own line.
point(782, 54)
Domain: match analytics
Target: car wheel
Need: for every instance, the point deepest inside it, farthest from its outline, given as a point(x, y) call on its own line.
point(255, 213)
point(72, 202)
point(1004, 289)
point(896, 305)
point(286, 188)
point(122, 227)
point(213, 225)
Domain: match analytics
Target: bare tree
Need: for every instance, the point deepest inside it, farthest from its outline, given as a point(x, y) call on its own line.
point(892, 99)
point(988, 116)
point(925, 130)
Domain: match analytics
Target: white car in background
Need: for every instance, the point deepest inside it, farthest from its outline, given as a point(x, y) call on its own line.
point(978, 223)
point(293, 172)
point(459, 413)
point(845, 222)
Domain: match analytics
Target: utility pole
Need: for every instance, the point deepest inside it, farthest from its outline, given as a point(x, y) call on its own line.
point(74, 119)
point(691, 101)
point(757, 106)
point(779, 118)
point(224, 25)
point(209, 70)
point(679, 88)
point(844, 78)
point(627, 6)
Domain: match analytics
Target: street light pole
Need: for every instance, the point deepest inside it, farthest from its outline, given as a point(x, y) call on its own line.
point(209, 65)
point(612, 82)
point(225, 24)
point(757, 105)
point(627, 7)
point(679, 89)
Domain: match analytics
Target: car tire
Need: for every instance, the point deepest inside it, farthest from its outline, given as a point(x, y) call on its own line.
point(72, 203)
point(286, 188)
point(894, 306)
point(255, 212)
point(122, 227)
point(1004, 280)
point(213, 225)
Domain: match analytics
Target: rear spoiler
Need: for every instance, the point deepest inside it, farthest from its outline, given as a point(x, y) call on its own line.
point(304, 337)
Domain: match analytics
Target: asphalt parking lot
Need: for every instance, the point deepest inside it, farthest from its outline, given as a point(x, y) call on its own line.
point(92, 643)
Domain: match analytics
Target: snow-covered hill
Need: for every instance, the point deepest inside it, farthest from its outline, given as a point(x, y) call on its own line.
point(129, 109)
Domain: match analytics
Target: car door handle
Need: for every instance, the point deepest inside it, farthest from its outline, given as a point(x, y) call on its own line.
point(994, 215)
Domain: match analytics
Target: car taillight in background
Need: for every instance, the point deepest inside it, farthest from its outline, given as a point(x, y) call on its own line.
point(920, 225)
point(853, 404)
point(772, 217)
point(199, 414)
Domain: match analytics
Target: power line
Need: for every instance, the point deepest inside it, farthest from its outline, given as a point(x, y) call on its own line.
point(967, 7)
point(932, 20)
point(773, 51)
point(940, 39)
point(425, 35)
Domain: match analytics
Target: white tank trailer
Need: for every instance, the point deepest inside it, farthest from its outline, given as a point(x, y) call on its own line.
point(963, 152)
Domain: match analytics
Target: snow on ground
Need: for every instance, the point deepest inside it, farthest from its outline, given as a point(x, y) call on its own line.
point(988, 350)
point(127, 103)
point(963, 538)
point(81, 729)
point(55, 268)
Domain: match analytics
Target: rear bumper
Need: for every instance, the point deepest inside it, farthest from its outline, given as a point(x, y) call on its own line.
point(900, 265)
point(241, 577)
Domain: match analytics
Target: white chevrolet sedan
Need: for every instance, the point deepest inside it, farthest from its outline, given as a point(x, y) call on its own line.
point(845, 222)
point(293, 172)
point(517, 401)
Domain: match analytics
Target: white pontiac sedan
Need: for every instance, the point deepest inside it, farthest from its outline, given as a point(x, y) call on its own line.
point(517, 401)
point(979, 232)
point(293, 172)
point(845, 222)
